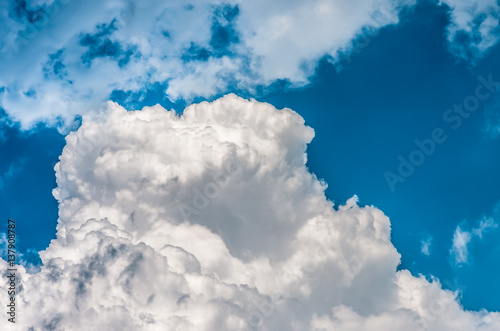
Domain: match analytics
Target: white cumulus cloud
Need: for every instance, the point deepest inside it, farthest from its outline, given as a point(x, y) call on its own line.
point(212, 221)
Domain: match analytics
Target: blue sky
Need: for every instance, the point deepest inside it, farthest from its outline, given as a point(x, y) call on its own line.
point(367, 104)
point(393, 93)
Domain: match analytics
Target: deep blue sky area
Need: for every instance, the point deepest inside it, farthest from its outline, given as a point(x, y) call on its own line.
point(366, 112)
point(28, 190)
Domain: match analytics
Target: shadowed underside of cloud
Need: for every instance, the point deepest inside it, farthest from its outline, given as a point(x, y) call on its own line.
point(61, 58)
point(212, 221)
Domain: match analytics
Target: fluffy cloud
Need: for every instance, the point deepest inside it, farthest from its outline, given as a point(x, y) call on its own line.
point(61, 58)
point(474, 26)
point(212, 221)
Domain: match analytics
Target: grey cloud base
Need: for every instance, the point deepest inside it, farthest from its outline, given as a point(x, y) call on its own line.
point(212, 221)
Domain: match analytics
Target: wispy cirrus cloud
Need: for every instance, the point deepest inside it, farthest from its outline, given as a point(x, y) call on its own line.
point(492, 120)
point(459, 250)
point(463, 238)
point(425, 245)
point(474, 27)
point(14, 169)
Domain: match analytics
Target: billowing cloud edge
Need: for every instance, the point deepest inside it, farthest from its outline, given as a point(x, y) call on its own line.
point(211, 220)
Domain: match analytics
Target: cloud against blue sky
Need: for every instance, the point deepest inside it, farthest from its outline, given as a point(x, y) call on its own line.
point(474, 27)
point(62, 65)
point(216, 212)
point(261, 248)
point(463, 238)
